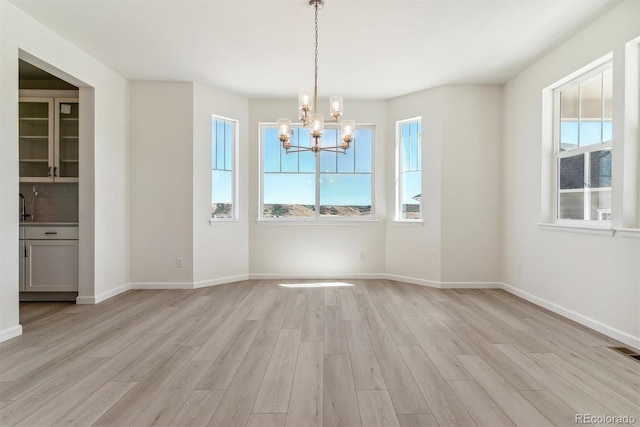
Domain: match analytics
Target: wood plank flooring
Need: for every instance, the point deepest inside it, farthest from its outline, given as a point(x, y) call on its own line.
point(255, 353)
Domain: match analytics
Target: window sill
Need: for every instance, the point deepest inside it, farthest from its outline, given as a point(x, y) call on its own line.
point(632, 233)
point(577, 228)
point(213, 222)
point(409, 223)
point(321, 222)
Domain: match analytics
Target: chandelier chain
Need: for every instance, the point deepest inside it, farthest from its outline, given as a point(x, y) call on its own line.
point(315, 89)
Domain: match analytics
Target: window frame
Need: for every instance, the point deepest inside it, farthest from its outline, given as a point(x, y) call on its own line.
point(399, 187)
point(582, 75)
point(234, 168)
point(317, 218)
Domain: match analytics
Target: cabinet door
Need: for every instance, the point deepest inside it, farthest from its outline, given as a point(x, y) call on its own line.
point(66, 153)
point(36, 139)
point(51, 265)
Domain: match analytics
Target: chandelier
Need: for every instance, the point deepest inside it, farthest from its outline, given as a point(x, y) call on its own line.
point(310, 117)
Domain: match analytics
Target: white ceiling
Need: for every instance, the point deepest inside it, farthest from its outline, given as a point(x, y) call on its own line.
point(374, 49)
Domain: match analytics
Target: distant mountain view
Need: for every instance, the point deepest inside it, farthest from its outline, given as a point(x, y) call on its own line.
point(308, 211)
point(411, 211)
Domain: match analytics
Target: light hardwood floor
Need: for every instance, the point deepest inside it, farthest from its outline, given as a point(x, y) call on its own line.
point(370, 352)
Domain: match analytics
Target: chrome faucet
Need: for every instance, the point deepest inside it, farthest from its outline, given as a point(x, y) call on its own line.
point(24, 213)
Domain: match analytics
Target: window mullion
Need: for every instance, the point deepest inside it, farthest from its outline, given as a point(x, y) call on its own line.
point(355, 153)
point(602, 106)
point(587, 186)
point(214, 163)
point(410, 151)
point(579, 113)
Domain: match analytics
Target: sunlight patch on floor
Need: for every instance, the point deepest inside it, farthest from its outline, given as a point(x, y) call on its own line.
point(315, 285)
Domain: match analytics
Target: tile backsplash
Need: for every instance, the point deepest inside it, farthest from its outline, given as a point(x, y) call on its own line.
point(50, 202)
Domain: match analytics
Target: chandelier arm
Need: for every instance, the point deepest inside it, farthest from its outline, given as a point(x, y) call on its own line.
point(297, 149)
point(336, 149)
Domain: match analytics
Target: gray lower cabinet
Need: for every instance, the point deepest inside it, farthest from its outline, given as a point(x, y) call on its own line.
point(50, 257)
point(51, 266)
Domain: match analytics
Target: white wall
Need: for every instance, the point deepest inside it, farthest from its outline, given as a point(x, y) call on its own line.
point(471, 214)
point(413, 251)
point(9, 326)
point(171, 187)
point(221, 250)
point(109, 249)
point(161, 184)
point(594, 279)
point(459, 242)
point(317, 250)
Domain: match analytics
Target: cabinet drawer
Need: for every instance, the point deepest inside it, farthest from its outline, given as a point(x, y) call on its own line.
point(46, 233)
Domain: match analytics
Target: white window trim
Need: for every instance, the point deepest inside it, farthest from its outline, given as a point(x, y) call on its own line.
point(630, 192)
point(235, 160)
point(581, 227)
point(398, 176)
point(342, 220)
point(584, 73)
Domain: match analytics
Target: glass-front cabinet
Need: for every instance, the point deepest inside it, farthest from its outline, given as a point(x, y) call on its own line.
point(48, 139)
point(35, 135)
point(66, 134)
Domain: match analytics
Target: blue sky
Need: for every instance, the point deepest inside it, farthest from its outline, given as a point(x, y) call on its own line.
point(345, 179)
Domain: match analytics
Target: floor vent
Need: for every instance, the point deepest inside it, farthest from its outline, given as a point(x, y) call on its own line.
point(627, 352)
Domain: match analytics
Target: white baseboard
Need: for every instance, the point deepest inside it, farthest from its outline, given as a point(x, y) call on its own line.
point(156, 285)
point(470, 285)
point(11, 332)
point(444, 285)
point(577, 317)
point(356, 276)
point(162, 285)
point(412, 280)
point(103, 296)
point(220, 281)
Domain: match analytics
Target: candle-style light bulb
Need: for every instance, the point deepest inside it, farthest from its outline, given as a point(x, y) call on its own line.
point(348, 131)
point(304, 101)
point(335, 106)
point(317, 125)
point(284, 131)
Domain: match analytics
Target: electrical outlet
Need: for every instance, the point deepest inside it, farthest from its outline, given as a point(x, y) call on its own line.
point(179, 262)
point(519, 268)
point(362, 256)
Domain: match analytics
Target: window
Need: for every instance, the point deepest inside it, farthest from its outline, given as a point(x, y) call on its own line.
point(409, 169)
point(583, 134)
point(326, 185)
point(223, 157)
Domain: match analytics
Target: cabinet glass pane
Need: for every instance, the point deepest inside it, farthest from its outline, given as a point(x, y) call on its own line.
point(33, 138)
point(68, 144)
